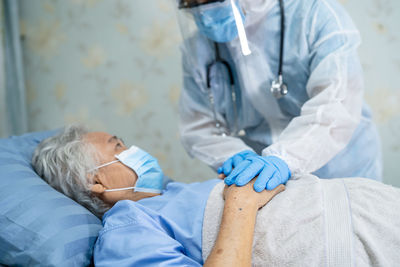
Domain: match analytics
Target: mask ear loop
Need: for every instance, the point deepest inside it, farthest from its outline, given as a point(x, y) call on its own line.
point(136, 189)
point(119, 189)
point(244, 44)
point(115, 189)
point(103, 165)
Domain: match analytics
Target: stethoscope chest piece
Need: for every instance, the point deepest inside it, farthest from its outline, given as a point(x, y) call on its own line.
point(278, 88)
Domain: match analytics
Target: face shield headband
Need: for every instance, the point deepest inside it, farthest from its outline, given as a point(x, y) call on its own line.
point(195, 3)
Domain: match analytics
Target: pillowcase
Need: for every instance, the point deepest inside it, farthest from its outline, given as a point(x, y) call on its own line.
point(39, 225)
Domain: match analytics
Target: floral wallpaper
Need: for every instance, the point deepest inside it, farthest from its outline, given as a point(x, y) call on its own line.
point(114, 65)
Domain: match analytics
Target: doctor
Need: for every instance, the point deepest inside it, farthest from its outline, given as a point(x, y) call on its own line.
point(274, 88)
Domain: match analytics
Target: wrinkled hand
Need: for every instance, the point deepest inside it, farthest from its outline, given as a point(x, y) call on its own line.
point(234, 161)
point(247, 196)
point(271, 171)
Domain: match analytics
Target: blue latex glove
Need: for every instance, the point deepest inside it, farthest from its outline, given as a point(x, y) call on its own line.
point(271, 171)
point(234, 161)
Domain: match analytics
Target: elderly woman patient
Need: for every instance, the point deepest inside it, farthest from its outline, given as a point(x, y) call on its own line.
point(150, 220)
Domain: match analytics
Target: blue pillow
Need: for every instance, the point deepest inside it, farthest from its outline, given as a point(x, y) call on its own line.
point(38, 225)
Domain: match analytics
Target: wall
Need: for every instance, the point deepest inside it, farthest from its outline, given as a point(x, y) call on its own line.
point(115, 66)
point(378, 22)
point(3, 114)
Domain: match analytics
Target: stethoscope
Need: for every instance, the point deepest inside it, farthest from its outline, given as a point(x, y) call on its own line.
point(219, 60)
point(278, 87)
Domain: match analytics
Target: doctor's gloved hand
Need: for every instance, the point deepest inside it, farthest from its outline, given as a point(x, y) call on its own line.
point(271, 171)
point(234, 161)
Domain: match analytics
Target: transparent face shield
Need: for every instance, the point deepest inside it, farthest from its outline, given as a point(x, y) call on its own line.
point(218, 21)
point(219, 37)
point(207, 26)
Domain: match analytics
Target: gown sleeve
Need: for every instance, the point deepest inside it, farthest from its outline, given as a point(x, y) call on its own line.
point(133, 236)
point(329, 118)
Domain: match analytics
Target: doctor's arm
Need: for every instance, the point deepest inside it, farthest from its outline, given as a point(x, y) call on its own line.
point(335, 87)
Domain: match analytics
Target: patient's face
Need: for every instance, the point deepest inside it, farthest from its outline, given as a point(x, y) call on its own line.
point(115, 175)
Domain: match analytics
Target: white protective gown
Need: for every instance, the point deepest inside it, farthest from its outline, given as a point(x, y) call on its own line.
point(322, 125)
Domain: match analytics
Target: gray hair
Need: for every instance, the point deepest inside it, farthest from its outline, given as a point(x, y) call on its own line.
point(64, 161)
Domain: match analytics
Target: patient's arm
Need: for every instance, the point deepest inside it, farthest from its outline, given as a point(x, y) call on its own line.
point(233, 246)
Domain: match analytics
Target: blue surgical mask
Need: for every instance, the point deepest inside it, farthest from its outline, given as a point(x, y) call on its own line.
point(150, 176)
point(216, 21)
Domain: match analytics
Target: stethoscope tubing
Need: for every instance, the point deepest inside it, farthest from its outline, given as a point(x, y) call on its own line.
point(219, 60)
point(281, 49)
